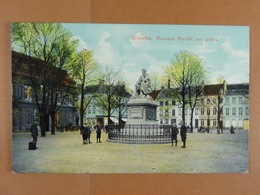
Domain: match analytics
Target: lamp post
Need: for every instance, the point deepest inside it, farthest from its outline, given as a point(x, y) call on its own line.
point(208, 121)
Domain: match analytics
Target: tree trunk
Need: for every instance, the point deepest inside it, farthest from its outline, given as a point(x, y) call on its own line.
point(52, 123)
point(42, 123)
point(191, 121)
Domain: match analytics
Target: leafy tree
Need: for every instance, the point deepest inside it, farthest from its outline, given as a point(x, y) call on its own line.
point(185, 74)
point(53, 45)
point(84, 70)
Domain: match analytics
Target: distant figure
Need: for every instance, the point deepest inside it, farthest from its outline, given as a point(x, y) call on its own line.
point(106, 128)
point(34, 131)
point(232, 130)
point(183, 135)
point(84, 133)
point(89, 128)
point(98, 128)
point(143, 85)
point(175, 132)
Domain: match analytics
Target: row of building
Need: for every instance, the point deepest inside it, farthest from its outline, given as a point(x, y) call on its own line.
point(231, 99)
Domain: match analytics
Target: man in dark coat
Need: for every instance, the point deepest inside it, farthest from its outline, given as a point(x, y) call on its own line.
point(175, 132)
point(34, 131)
point(232, 131)
point(98, 128)
point(183, 135)
point(84, 133)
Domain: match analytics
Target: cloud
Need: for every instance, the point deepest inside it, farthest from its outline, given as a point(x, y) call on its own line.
point(104, 50)
point(82, 43)
point(241, 56)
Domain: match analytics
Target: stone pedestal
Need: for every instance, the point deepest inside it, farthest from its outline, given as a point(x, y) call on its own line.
point(141, 111)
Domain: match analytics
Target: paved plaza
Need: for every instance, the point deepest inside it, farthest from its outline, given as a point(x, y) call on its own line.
point(65, 153)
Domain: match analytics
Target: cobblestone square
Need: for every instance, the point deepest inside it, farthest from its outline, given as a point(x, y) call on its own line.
point(65, 153)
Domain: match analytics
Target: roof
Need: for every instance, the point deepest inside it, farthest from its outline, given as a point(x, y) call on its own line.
point(236, 89)
point(30, 67)
point(154, 94)
point(213, 89)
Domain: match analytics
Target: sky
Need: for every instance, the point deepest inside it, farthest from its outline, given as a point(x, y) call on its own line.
point(224, 50)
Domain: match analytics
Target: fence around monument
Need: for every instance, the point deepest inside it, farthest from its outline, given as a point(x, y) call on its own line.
point(135, 133)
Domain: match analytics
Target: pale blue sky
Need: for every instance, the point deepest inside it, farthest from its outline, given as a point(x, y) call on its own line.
point(224, 50)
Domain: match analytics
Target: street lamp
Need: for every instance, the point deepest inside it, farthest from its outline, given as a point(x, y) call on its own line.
point(208, 121)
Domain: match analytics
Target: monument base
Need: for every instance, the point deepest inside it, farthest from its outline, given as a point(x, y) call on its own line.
point(141, 111)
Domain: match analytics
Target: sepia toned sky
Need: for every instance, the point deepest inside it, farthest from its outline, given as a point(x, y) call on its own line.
point(224, 50)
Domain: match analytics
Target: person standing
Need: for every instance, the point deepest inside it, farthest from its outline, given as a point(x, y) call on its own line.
point(183, 135)
point(98, 130)
point(175, 132)
point(34, 131)
point(89, 128)
point(84, 133)
point(232, 130)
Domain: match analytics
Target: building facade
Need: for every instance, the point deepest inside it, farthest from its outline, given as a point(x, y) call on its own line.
point(220, 105)
point(236, 108)
point(24, 107)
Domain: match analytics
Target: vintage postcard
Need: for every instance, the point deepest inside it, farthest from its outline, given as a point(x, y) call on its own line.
point(130, 98)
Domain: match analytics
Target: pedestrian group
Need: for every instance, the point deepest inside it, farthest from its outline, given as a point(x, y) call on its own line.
point(86, 131)
point(175, 133)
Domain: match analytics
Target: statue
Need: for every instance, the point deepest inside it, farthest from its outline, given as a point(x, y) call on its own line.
point(143, 86)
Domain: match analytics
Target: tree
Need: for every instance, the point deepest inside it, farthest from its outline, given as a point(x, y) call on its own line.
point(53, 45)
point(216, 95)
point(107, 98)
point(84, 69)
point(185, 74)
point(197, 75)
point(121, 96)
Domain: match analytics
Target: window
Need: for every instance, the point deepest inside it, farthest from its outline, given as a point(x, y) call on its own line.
point(202, 111)
point(161, 103)
point(208, 101)
point(94, 109)
point(233, 100)
point(173, 121)
point(214, 123)
point(233, 111)
point(247, 111)
point(89, 110)
point(240, 111)
point(215, 111)
point(166, 103)
point(208, 111)
point(202, 123)
point(214, 100)
point(240, 100)
point(227, 111)
point(196, 111)
point(173, 102)
point(161, 121)
point(227, 100)
point(173, 112)
point(28, 93)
